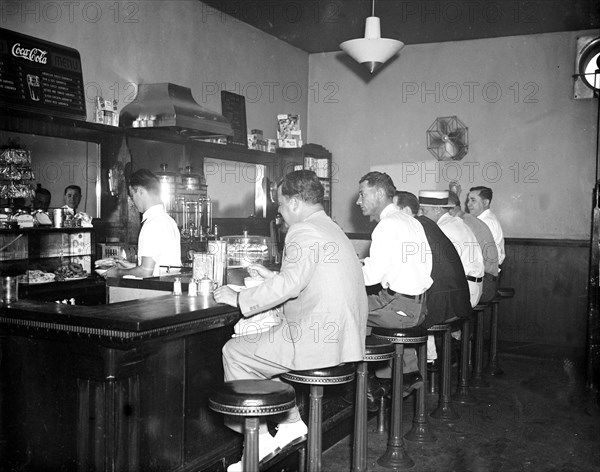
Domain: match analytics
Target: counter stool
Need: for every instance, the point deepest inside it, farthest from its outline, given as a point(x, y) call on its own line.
point(463, 393)
point(477, 378)
point(376, 350)
point(317, 378)
point(445, 410)
point(252, 399)
point(396, 457)
point(502, 293)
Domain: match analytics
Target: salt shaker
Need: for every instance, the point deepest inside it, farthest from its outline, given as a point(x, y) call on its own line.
point(192, 288)
point(177, 286)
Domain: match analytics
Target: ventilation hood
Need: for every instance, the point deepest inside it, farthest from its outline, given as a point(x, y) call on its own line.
point(172, 107)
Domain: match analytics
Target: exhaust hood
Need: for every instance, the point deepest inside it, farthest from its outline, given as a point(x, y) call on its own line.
point(172, 107)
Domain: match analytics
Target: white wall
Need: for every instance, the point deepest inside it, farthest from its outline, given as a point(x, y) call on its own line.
point(528, 139)
point(123, 43)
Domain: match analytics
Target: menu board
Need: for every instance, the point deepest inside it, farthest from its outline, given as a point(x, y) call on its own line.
point(233, 107)
point(40, 76)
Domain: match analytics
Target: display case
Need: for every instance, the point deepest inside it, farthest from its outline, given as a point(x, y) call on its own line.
point(46, 249)
point(310, 157)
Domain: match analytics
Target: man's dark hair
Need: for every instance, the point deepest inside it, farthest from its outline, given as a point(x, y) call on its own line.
point(484, 192)
point(380, 180)
point(407, 199)
point(303, 184)
point(146, 179)
point(73, 187)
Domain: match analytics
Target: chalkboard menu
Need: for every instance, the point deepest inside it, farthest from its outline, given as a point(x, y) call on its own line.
point(36, 75)
point(233, 107)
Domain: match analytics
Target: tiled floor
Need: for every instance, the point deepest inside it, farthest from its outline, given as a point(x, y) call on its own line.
point(537, 417)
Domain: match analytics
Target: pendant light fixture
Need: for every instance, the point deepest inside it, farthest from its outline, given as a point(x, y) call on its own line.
point(372, 50)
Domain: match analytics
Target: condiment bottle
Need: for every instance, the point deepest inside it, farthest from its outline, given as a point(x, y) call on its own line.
point(192, 288)
point(177, 286)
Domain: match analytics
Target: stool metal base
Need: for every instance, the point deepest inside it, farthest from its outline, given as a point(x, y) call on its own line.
point(395, 458)
point(421, 430)
point(493, 368)
point(445, 411)
point(477, 378)
point(463, 394)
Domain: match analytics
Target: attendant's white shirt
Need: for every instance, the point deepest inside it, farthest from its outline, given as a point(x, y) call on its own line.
point(159, 239)
point(400, 256)
point(468, 249)
point(490, 219)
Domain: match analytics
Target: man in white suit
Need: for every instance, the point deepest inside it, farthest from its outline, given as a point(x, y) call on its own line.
point(324, 316)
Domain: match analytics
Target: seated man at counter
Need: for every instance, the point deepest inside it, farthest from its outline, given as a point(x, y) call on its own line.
point(324, 317)
point(479, 200)
point(488, 248)
point(400, 260)
point(159, 238)
point(436, 207)
point(448, 297)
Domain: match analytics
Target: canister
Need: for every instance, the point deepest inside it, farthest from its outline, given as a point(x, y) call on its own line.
point(57, 217)
point(10, 289)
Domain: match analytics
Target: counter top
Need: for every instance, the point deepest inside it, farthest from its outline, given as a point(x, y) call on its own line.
point(129, 320)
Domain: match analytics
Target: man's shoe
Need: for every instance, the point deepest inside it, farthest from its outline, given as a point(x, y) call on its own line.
point(412, 381)
point(372, 399)
point(267, 449)
point(290, 434)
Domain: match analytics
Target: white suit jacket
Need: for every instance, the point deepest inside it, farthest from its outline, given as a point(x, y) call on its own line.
point(324, 299)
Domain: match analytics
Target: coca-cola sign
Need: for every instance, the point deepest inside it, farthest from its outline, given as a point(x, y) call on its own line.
point(33, 54)
point(40, 76)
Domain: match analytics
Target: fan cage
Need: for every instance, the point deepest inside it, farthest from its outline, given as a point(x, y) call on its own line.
point(442, 150)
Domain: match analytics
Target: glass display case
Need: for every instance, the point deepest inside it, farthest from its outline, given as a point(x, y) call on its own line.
point(68, 253)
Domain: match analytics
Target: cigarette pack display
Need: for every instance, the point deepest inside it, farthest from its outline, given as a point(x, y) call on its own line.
point(289, 134)
point(106, 112)
point(322, 168)
point(327, 189)
point(310, 163)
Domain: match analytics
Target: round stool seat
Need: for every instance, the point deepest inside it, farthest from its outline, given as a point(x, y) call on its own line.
point(338, 374)
point(480, 307)
point(377, 349)
point(416, 335)
point(253, 398)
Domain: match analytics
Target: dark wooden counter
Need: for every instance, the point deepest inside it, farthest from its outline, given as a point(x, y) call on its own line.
point(123, 387)
point(119, 387)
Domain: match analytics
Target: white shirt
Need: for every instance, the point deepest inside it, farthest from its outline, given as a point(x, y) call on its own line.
point(490, 219)
point(400, 256)
point(468, 249)
point(159, 239)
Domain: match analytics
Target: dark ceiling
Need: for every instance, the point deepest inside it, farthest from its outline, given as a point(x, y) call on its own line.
point(321, 25)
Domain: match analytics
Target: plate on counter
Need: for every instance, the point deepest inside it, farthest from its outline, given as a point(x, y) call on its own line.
point(36, 277)
point(69, 279)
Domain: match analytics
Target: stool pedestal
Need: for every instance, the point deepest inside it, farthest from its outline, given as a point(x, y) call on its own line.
point(420, 431)
point(317, 379)
point(445, 410)
point(463, 394)
point(477, 379)
point(375, 351)
point(503, 293)
point(395, 456)
point(493, 368)
point(252, 399)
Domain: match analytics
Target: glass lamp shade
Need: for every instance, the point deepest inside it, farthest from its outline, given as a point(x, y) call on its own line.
point(372, 50)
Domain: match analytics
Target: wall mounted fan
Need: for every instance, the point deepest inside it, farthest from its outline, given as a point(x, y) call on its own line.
point(448, 139)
